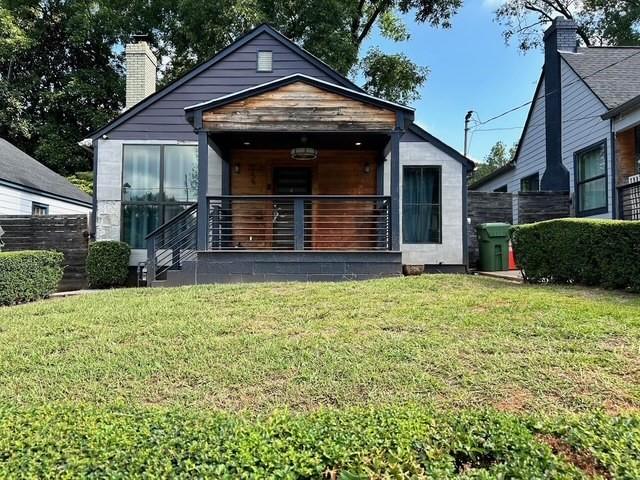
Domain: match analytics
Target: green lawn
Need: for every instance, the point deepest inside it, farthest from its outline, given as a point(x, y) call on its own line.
point(445, 341)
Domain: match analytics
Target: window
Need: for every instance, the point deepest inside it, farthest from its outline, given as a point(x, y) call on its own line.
point(530, 183)
point(265, 61)
point(637, 145)
point(39, 209)
point(502, 189)
point(591, 180)
point(158, 182)
point(421, 209)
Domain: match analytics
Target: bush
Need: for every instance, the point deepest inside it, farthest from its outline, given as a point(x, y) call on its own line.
point(590, 252)
point(29, 275)
point(108, 264)
point(384, 442)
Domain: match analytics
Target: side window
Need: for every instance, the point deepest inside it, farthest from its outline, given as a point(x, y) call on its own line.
point(502, 189)
point(421, 205)
point(591, 180)
point(530, 183)
point(265, 61)
point(39, 209)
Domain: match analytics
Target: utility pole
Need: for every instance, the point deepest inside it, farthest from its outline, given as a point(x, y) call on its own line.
point(467, 119)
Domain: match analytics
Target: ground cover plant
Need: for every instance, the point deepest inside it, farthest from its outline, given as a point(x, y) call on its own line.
point(432, 376)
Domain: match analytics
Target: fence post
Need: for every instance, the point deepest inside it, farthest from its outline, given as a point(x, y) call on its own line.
point(298, 224)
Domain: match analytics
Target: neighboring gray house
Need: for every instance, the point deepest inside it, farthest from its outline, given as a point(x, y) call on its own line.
point(29, 188)
point(581, 134)
point(263, 163)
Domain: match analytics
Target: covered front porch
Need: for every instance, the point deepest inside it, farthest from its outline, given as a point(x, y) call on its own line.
point(627, 167)
point(298, 180)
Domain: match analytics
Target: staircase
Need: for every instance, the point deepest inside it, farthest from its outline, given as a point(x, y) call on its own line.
point(171, 248)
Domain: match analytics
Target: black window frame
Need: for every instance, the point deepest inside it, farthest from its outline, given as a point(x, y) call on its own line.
point(577, 184)
point(44, 206)
point(439, 170)
point(502, 189)
point(535, 176)
point(161, 203)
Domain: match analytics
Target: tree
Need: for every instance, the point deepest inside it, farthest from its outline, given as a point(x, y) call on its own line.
point(600, 22)
point(498, 156)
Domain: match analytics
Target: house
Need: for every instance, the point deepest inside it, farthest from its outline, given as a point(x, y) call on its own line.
point(582, 131)
point(263, 163)
point(29, 188)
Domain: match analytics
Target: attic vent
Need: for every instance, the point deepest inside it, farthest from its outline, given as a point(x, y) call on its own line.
point(265, 61)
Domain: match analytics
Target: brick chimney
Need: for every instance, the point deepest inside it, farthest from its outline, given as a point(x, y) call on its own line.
point(561, 36)
point(141, 70)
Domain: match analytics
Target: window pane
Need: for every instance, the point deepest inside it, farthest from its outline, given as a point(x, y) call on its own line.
point(593, 194)
point(141, 173)
point(421, 217)
point(181, 173)
point(530, 183)
point(591, 164)
point(138, 221)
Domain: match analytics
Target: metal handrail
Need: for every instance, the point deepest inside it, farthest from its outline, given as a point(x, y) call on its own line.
point(174, 220)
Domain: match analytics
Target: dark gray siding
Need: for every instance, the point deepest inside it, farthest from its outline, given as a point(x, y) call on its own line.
point(164, 119)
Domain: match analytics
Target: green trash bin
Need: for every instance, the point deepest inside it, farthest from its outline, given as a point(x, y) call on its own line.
point(493, 239)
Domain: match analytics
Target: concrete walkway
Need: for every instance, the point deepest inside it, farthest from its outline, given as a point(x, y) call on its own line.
point(510, 275)
point(74, 293)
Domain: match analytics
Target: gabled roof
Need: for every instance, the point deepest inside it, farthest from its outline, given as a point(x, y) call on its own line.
point(507, 167)
point(426, 136)
point(22, 171)
point(243, 40)
point(612, 73)
point(296, 77)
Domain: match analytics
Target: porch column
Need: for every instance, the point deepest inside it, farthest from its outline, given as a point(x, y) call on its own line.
point(395, 190)
point(203, 182)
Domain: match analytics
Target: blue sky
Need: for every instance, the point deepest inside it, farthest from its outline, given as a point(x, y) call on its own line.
point(471, 69)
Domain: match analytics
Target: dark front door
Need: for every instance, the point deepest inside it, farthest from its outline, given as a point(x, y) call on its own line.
point(287, 181)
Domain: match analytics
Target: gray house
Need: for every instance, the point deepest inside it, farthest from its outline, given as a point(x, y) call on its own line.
point(263, 163)
point(582, 132)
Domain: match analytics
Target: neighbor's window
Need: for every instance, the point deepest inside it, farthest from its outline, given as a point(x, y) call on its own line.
point(421, 208)
point(530, 183)
point(158, 182)
point(591, 180)
point(265, 61)
point(502, 189)
point(39, 209)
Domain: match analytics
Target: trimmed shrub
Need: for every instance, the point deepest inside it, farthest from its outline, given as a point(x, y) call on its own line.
point(354, 444)
point(108, 264)
point(29, 275)
point(592, 252)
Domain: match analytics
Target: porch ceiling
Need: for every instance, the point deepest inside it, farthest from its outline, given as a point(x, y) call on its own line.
point(288, 140)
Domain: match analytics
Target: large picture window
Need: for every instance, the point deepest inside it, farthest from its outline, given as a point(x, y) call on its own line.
point(421, 205)
point(158, 182)
point(591, 180)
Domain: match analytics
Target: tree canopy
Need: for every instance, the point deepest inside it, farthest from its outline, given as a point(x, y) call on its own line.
point(62, 64)
point(498, 156)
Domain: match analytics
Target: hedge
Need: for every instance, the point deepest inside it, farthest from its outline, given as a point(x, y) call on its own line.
point(385, 442)
point(108, 264)
point(591, 252)
point(29, 275)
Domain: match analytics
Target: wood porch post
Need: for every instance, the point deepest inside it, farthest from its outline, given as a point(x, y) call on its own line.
point(395, 190)
point(203, 183)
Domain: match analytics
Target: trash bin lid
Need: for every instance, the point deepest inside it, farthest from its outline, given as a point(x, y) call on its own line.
point(495, 229)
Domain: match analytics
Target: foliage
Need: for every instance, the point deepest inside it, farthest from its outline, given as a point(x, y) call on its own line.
point(389, 442)
point(108, 264)
point(591, 252)
point(600, 22)
point(29, 275)
point(454, 341)
point(497, 157)
point(82, 180)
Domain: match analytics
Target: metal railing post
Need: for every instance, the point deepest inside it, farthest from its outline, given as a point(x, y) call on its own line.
point(298, 224)
point(151, 260)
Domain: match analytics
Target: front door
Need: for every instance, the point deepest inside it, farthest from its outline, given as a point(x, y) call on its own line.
point(287, 181)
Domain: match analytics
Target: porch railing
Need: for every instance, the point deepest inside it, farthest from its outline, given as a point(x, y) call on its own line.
point(629, 201)
point(299, 222)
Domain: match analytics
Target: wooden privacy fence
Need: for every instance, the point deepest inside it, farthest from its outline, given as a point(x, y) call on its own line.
point(68, 234)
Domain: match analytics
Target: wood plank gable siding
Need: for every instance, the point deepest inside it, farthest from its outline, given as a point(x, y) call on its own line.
point(165, 120)
point(299, 107)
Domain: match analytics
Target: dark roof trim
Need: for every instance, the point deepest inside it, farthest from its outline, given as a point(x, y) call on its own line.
point(54, 196)
point(529, 115)
point(493, 175)
point(422, 133)
point(243, 40)
point(584, 81)
point(625, 107)
point(296, 77)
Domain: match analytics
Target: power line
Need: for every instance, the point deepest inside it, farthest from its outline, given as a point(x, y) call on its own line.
point(568, 120)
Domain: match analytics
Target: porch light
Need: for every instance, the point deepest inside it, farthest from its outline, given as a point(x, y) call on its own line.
point(367, 168)
point(304, 153)
point(246, 144)
point(357, 144)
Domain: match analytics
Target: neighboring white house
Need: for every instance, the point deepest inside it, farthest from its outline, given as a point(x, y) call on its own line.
point(581, 132)
point(29, 188)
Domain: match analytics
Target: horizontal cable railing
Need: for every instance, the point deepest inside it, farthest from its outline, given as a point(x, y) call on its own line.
point(629, 198)
point(299, 222)
point(172, 243)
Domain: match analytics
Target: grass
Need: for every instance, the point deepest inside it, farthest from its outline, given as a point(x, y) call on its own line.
point(445, 341)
